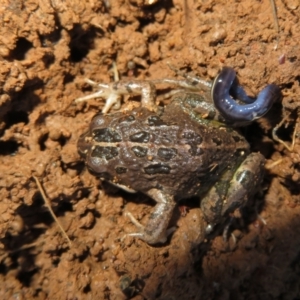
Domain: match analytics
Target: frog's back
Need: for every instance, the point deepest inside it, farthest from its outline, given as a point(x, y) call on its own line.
point(171, 151)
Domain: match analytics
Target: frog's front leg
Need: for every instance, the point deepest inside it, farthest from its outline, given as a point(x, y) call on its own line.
point(155, 230)
point(112, 92)
point(226, 196)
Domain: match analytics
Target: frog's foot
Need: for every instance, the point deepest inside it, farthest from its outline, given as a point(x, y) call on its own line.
point(229, 195)
point(156, 231)
point(105, 91)
point(143, 235)
point(227, 231)
point(112, 92)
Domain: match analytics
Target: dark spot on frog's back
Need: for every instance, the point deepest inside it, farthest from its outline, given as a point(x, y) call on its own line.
point(217, 141)
point(192, 137)
point(121, 170)
point(105, 152)
point(139, 151)
point(157, 169)
point(140, 137)
point(195, 151)
point(167, 153)
point(106, 135)
point(155, 121)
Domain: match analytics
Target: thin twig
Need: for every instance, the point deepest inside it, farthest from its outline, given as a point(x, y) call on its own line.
point(274, 11)
point(274, 164)
point(115, 72)
point(276, 138)
point(47, 203)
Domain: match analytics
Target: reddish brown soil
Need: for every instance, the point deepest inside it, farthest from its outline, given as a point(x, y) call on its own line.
point(47, 48)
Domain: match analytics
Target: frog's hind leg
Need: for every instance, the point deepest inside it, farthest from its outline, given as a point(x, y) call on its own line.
point(229, 194)
point(189, 82)
point(156, 230)
point(184, 84)
point(245, 182)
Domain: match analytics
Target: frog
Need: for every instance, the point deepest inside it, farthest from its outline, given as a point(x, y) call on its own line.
point(190, 147)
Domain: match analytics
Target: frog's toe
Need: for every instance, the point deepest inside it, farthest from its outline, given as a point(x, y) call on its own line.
point(148, 236)
point(134, 220)
point(112, 100)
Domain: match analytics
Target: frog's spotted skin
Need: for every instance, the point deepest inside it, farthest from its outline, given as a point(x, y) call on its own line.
point(170, 154)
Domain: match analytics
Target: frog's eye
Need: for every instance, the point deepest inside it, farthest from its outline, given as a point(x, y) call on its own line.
point(225, 86)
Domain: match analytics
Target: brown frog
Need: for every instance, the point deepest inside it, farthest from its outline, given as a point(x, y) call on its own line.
point(175, 152)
